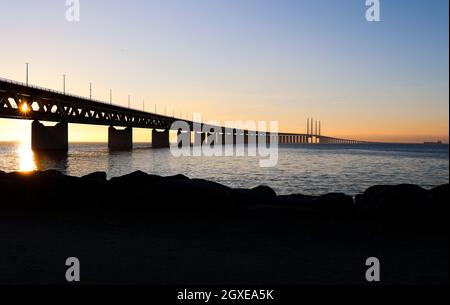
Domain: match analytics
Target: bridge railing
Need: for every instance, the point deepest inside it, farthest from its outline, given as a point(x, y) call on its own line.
point(63, 93)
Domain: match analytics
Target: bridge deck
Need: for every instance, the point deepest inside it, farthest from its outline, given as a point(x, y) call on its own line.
point(26, 102)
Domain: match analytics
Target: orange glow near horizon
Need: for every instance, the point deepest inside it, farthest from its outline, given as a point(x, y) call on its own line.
point(20, 131)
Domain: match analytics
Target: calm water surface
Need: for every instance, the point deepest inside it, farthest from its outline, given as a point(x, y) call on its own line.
point(301, 169)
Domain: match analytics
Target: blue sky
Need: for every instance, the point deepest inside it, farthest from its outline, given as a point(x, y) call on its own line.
point(280, 60)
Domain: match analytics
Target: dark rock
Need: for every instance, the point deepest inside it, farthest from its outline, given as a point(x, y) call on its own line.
point(127, 186)
point(394, 200)
point(38, 189)
point(97, 177)
point(295, 200)
point(135, 179)
point(51, 190)
point(176, 177)
point(264, 193)
point(439, 197)
point(186, 195)
point(257, 195)
point(49, 174)
point(338, 203)
point(333, 203)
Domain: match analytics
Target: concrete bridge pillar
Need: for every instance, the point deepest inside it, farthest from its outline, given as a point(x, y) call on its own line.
point(258, 138)
point(199, 138)
point(160, 139)
point(219, 139)
point(246, 135)
point(253, 140)
point(120, 139)
point(49, 137)
point(224, 137)
point(183, 138)
point(212, 138)
point(227, 137)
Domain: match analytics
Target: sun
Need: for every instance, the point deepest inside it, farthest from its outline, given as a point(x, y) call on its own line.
point(24, 108)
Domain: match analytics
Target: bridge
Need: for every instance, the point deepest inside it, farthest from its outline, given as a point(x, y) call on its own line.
point(27, 102)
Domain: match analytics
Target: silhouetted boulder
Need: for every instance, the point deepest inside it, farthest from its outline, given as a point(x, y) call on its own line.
point(394, 200)
point(125, 187)
point(337, 203)
point(333, 203)
point(49, 174)
point(186, 195)
point(295, 200)
point(255, 196)
point(37, 189)
point(97, 177)
point(136, 178)
point(52, 190)
point(264, 192)
point(439, 197)
point(176, 177)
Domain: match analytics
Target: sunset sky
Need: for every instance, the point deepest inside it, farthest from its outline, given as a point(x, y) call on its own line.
point(283, 60)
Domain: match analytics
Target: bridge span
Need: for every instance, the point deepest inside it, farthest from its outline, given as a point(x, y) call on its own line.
point(26, 102)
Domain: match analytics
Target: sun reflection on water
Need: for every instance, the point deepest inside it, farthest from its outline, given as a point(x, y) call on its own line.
point(26, 158)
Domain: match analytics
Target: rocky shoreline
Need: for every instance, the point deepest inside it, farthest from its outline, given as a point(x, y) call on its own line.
point(151, 230)
point(139, 191)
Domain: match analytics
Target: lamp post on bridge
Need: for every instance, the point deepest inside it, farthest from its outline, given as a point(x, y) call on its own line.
point(110, 96)
point(64, 83)
point(27, 65)
point(90, 91)
point(129, 102)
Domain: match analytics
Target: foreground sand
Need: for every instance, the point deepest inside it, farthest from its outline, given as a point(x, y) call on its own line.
point(271, 242)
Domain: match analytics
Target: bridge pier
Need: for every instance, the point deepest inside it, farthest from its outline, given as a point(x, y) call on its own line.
point(215, 139)
point(160, 139)
point(183, 138)
point(199, 138)
point(224, 137)
point(265, 136)
point(246, 137)
point(227, 136)
point(49, 137)
point(120, 139)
